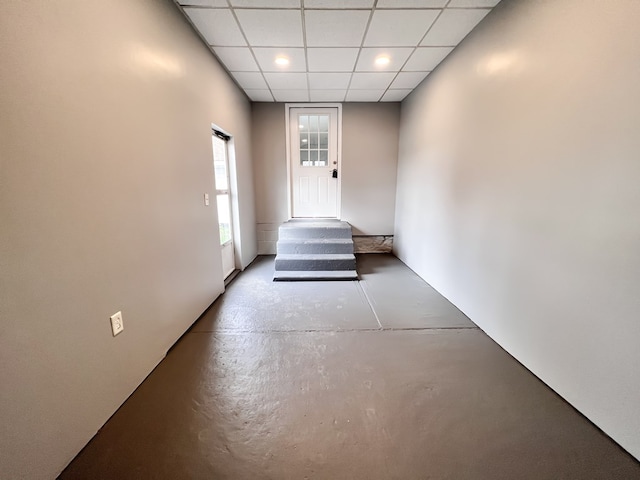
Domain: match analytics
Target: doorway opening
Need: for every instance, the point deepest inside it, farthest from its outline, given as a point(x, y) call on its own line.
point(313, 160)
point(220, 142)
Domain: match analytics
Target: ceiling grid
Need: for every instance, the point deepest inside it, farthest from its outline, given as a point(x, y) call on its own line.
point(332, 50)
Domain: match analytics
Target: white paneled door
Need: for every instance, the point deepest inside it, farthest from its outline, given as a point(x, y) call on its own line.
point(314, 168)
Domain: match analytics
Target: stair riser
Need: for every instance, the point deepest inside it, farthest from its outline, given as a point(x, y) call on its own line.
point(311, 232)
point(315, 265)
point(292, 247)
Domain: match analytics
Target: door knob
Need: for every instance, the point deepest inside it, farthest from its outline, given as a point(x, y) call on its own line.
point(334, 173)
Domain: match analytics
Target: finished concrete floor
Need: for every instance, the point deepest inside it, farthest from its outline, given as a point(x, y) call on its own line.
point(376, 379)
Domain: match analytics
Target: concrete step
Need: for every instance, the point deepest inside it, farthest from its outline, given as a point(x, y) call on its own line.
point(315, 262)
point(315, 245)
point(314, 229)
point(296, 275)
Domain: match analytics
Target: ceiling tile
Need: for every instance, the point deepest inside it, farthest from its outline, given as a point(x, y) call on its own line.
point(369, 81)
point(204, 3)
point(328, 81)
point(364, 95)
point(425, 59)
point(261, 3)
point(267, 56)
point(453, 25)
point(408, 79)
point(411, 3)
point(335, 28)
point(271, 28)
point(327, 95)
point(259, 95)
point(237, 59)
point(473, 3)
point(288, 95)
point(397, 57)
point(399, 28)
point(395, 95)
point(250, 80)
point(338, 3)
point(282, 81)
point(218, 26)
point(331, 59)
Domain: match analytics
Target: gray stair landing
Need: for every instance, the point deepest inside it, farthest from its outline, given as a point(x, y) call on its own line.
point(315, 250)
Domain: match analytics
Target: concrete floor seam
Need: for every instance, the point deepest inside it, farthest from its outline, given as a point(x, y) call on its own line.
point(373, 310)
point(353, 330)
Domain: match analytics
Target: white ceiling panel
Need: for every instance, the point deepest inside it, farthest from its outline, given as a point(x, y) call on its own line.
point(250, 80)
point(408, 79)
point(282, 81)
point(453, 25)
point(289, 95)
point(203, 3)
point(335, 28)
point(267, 59)
point(411, 3)
point(329, 81)
point(395, 95)
point(338, 3)
point(473, 3)
point(399, 28)
point(364, 95)
point(236, 59)
point(259, 95)
point(371, 81)
point(217, 26)
point(271, 28)
point(331, 59)
point(327, 95)
point(397, 56)
point(262, 3)
point(425, 59)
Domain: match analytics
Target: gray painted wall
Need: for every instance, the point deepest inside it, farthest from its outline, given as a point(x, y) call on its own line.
point(105, 154)
point(369, 164)
point(518, 195)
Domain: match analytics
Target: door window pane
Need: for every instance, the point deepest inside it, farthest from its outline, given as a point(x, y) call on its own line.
point(324, 140)
point(224, 218)
point(304, 140)
point(220, 163)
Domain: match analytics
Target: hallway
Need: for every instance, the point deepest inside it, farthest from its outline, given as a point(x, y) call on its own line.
point(377, 379)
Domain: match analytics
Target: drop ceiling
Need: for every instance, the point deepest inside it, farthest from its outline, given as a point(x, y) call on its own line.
point(330, 47)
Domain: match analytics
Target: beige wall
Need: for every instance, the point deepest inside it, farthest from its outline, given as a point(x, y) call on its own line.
point(369, 163)
point(105, 154)
point(518, 195)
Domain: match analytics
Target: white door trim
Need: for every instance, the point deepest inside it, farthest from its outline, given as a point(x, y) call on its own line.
point(288, 107)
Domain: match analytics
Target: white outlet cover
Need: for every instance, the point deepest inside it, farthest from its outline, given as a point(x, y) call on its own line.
point(206, 199)
point(117, 325)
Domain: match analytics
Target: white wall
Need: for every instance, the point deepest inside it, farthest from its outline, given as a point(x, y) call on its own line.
point(105, 154)
point(519, 192)
point(369, 164)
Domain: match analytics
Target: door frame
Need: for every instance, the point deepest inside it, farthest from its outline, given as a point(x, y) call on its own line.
point(233, 188)
point(287, 109)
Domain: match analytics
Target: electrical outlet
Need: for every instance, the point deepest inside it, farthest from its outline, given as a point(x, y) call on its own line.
point(117, 325)
point(206, 199)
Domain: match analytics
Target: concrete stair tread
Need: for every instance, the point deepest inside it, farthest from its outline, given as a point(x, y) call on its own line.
point(316, 256)
point(316, 240)
point(315, 275)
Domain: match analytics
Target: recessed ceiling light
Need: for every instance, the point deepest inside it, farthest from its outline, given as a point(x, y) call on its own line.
point(282, 61)
point(382, 60)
